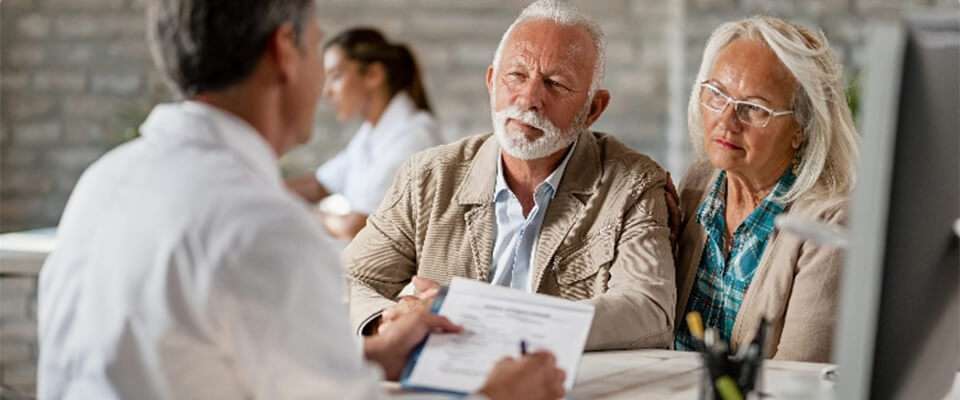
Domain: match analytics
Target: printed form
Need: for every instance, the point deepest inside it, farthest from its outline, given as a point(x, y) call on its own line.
point(495, 320)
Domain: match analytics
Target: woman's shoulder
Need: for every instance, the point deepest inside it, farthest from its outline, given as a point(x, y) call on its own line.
point(422, 127)
point(826, 208)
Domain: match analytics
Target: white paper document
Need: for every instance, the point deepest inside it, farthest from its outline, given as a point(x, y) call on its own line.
point(495, 320)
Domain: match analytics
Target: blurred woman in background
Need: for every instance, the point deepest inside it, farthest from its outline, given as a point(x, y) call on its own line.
point(370, 78)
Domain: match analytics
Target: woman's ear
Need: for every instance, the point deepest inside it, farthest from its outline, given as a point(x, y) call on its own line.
point(797, 139)
point(375, 75)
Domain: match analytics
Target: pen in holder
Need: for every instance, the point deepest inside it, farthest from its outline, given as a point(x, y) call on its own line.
point(727, 376)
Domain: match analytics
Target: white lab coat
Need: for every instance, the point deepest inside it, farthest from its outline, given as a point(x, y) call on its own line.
point(363, 172)
point(185, 270)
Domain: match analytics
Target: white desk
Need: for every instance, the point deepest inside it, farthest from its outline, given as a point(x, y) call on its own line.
point(669, 375)
point(23, 253)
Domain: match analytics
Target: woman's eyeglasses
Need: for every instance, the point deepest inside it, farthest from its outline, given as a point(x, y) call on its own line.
point(747, 112)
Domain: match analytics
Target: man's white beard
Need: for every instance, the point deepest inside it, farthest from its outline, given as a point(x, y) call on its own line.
point(516, 144)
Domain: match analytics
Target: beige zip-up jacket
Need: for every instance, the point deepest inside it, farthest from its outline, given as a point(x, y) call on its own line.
point(604, 237)
point(795, 286)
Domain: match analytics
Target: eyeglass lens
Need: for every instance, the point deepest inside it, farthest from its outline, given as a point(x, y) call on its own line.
point(748, 113)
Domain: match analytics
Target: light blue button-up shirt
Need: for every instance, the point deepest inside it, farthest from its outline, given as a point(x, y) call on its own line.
point(517, 235)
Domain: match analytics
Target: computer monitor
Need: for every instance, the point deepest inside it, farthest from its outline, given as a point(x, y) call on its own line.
point(899, 328)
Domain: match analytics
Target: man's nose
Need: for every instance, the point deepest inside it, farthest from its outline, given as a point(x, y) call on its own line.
point(530, 95)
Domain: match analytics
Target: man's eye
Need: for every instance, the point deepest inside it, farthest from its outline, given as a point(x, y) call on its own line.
point(557, 85)
point(514, 77)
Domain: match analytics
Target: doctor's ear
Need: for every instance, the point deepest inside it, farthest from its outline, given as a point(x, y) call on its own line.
point(284, 52)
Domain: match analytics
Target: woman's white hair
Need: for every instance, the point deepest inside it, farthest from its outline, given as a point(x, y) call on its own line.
point(565, 14)
point(829, 152)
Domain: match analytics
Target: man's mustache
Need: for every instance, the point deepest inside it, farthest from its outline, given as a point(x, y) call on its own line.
point(529, 117)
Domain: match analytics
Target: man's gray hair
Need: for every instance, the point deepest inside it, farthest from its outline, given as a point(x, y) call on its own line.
point(561, 13)
point(829, 152)
point(207, 45)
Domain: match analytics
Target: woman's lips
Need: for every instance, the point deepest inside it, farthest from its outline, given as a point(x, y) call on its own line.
point(727, 145)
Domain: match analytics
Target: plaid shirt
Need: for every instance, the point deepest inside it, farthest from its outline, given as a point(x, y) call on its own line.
point(723, 279)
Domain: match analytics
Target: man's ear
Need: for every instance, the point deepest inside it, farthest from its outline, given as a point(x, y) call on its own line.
point(601, 99)
point(284, 52)
point(490, 80)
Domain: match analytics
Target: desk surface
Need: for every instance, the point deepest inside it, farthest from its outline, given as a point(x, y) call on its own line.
point(668, 375)
point(23, 253)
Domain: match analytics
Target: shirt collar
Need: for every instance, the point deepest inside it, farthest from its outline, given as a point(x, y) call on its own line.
point(550, 184)
point(197, 120)
point(714, 202)
point(398, 111)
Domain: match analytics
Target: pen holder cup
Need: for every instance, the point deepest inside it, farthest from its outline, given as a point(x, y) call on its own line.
point(726, 377)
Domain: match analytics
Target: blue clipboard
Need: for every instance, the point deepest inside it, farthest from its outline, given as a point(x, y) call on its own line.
point(415, 355)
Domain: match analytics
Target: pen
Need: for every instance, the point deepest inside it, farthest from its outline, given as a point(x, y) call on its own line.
point(523, 347)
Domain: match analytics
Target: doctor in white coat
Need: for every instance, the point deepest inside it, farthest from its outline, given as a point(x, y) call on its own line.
point(186, 270)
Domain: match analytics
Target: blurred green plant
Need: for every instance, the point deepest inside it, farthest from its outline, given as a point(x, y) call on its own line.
point(854, 90)
point(128, 121)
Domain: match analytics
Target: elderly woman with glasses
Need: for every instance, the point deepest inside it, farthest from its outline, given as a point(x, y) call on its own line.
point(775, 136)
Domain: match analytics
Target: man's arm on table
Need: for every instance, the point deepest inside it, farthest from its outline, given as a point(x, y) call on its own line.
point(638, 308)
point(381, 260)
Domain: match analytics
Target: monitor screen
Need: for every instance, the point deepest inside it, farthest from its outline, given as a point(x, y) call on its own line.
point(900, 322)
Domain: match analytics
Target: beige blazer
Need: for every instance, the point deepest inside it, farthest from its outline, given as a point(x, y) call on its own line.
point(795, 286)
point(604, 237)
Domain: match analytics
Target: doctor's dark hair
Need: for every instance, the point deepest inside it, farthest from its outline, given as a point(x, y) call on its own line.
point(209, 45)
point(368, 46)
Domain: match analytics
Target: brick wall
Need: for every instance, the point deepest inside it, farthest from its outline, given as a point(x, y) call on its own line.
point(75, 76)
point(18, 331)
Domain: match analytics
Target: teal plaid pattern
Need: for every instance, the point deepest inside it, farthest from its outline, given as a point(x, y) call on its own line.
point(722, 280)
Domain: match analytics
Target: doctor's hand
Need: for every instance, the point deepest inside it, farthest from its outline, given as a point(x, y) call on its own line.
point(426, 291)
point(391, 349)
point(533, 376)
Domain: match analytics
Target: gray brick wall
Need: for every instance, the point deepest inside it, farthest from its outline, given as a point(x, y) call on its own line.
point(75, 76)
point(18, 331)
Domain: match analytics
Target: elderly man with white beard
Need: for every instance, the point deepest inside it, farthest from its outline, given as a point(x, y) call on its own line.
point(542, 205)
